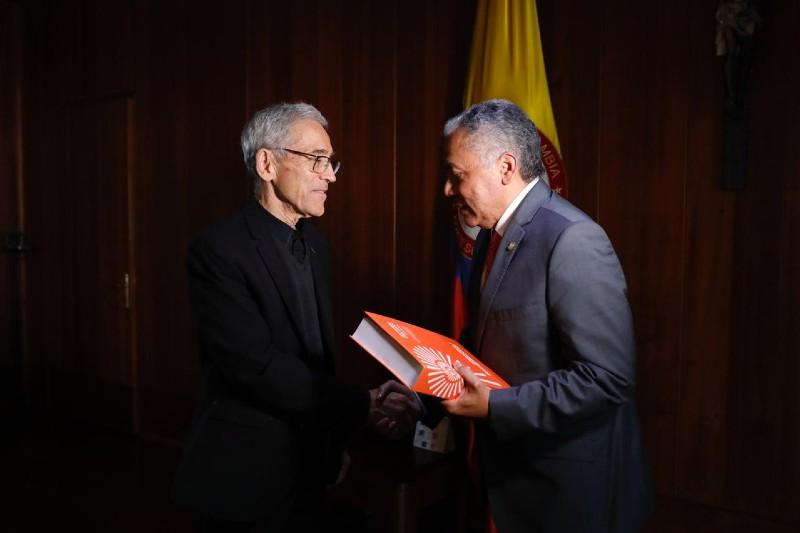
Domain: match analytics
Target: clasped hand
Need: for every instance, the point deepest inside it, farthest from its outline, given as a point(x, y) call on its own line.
point(393, 409)
point(473, 402)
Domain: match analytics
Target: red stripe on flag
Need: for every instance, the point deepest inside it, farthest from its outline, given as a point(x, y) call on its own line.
point(554, 165)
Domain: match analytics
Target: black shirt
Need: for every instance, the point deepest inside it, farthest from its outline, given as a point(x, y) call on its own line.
point(296, 255)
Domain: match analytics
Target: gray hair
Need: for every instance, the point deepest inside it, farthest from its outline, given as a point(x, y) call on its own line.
point(269, 128)
point(496, 126)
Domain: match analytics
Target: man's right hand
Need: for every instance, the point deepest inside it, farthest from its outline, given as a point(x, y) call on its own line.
point(394, 409)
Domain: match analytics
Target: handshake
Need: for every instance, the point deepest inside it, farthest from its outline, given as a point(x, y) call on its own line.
point(394, 409)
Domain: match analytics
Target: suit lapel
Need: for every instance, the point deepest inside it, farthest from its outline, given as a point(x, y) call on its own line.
point(509, 246)
point(276, 268)
point(505, 253)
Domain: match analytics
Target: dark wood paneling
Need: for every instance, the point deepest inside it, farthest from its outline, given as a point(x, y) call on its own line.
point(676, 516)
point(163, 149)
point(192, 103)
point(45, 290)
point(764, 336)
point(701, 444)
point(12, 275)
point(640, 145)
point(90, 260)
point(77, 133)
point(712, 274)
point(81, 395)
point(428, 93)
point(10, 162)
point(89, 49)
point(360, 221)
point(571, 44)
point(268, 57)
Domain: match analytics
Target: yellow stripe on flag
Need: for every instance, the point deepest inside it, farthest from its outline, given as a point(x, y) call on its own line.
point(506, 62)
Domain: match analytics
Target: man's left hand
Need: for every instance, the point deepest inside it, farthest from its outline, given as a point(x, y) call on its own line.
point(473, 402)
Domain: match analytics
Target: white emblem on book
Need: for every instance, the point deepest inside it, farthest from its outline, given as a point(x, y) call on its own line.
point(443, 379)
point(399, 330)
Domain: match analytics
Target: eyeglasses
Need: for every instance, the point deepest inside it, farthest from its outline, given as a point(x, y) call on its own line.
point(321, 162)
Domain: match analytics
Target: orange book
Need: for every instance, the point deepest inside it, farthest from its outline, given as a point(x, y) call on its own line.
point(423, 360)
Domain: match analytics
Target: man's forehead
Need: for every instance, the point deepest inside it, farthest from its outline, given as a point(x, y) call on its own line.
point(311, 135)
point(458, 152)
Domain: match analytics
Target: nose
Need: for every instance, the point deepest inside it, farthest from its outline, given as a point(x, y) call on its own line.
point(329, 175)
point(448, 188)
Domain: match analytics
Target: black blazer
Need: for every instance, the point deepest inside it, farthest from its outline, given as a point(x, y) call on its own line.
point(270, 414)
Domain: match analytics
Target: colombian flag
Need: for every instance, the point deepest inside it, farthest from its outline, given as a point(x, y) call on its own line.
point(506, 62)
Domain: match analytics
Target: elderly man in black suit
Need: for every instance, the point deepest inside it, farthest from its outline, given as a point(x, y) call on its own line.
point(272, 418)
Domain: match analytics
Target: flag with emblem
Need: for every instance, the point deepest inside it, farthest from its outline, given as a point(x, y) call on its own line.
point(506, 61)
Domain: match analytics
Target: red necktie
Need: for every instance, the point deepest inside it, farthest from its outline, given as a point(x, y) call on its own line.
point(494, 243)
point(477, 479)
point(472, 453)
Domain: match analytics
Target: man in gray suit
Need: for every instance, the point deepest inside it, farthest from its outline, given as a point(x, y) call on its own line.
point(560, 450)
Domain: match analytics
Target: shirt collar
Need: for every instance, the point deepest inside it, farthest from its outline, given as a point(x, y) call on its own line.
point(505, 218)
point(282, 231)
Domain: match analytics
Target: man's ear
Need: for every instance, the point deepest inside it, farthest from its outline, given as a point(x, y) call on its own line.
point(508, 166)
point(265, 164)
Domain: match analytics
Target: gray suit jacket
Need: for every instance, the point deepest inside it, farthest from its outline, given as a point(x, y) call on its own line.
point(561, 449)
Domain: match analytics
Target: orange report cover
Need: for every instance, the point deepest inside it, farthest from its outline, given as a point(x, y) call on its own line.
point(420, 358)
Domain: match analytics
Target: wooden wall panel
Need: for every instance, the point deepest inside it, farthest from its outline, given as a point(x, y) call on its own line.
point(268, 59)
point(11, 265)
point(572, 47)
point(360, 221)
point(89, 47)
point(714, 293)
point(642, 121)
point(191, 100)
point(161, 185)
point(77, 132)
point(91, 367)
point(787, 343)
point(702, 446)
point(764, 338)
point(93, 248)
point(332, 25)
point(679, 516)
point(45, 292)
point(304, 47)
point(428, 93)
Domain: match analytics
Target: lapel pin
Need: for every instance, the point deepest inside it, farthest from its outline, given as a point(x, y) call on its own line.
point(511, 246)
